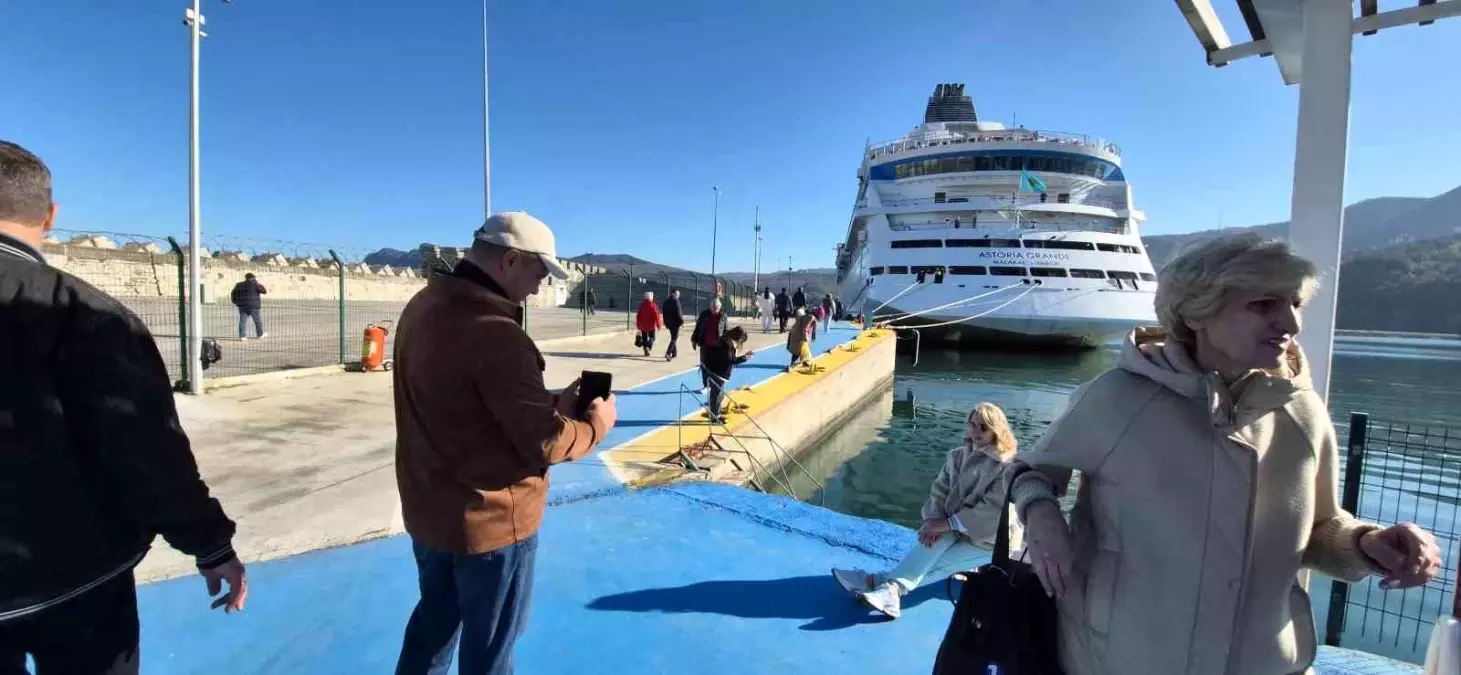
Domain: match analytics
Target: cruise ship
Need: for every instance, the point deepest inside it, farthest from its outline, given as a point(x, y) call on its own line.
point(984, 234)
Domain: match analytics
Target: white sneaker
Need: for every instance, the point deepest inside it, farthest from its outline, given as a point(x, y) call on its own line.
point(263, 335)
point(854, 581)
point(886, 598)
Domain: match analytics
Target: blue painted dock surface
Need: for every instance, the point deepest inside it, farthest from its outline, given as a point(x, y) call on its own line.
point(690, 578)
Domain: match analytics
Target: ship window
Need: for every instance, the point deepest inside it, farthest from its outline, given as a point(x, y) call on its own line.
point(927, 269)
point(897, 269)
point(1148, 276)
point(1118, 248)
point(970, 270)
point(1004, 243)
point(1087, 274)
point(967, 243)
point(938, 197)
point(1000, 163)
point(982, 163)
point(917, 243)
point(1063, 198)
point(1059, 244)
point(965, 163)
point(1007, 271)
point(1047, 272)
point(875, 271)
point(1118, 274)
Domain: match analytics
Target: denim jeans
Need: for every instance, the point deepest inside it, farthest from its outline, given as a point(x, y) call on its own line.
point(478, 600)
point(674, 349)
point(243, 321)
point(95, 632)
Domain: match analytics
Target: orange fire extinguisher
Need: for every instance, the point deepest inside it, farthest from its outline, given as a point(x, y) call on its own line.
point(373, 347)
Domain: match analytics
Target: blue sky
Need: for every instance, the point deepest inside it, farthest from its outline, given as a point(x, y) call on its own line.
point(611, 121)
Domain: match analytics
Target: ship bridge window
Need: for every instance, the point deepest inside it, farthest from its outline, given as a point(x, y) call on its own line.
point(1004, 243)
point(1047, 272)
point(875, 271)
point(967, 270)
point(927, 269)
point(897, 269)
point(1148, 276)
point(1118, 248)
point(918, 243)
point(1080, 165)
point(1059, 244)
point(1007, 271)
point(1087, 274)
point(967, 243)
point(1118, 274)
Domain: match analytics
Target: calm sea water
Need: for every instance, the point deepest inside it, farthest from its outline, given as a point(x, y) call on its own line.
point(880, 464)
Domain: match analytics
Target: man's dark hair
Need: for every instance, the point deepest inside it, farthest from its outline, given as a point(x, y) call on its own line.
point(249, 275)
point(736, 335)
point(25, 185)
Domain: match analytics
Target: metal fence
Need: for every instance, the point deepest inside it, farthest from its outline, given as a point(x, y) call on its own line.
point(320, 298)
point(1396, 472)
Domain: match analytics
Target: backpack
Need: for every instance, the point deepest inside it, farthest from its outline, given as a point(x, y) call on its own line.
point(1003, 622)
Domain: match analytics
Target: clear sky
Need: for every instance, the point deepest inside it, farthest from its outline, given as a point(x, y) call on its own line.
point(358, 124)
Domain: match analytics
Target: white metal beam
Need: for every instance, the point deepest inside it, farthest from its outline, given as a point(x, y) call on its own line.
point(1366, 25)
point(1317, 225)
point(1205, 24)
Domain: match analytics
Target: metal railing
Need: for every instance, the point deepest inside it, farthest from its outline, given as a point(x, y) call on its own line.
point(944, 138)
point(1396, 472)
point(782, 456)
point(1004, 201)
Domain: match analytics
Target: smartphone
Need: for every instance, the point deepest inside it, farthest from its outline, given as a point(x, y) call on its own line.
point(592, 384)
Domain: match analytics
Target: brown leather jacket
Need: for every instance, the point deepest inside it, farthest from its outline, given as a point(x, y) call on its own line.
point(476, 429)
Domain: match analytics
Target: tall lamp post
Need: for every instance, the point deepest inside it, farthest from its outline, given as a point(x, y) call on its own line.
point(714, 234)
point(756, 253)
point(486, 150)
point(193, 19)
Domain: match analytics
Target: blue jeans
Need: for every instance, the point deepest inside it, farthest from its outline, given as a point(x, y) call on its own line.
point(243, 321)
point(480, 600)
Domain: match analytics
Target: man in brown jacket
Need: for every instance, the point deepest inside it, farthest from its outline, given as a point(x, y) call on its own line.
point(476, 431)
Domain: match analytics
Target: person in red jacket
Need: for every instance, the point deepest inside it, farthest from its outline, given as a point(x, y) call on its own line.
point(648, 320)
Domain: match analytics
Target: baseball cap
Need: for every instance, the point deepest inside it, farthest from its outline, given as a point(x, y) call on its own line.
point(520, 231)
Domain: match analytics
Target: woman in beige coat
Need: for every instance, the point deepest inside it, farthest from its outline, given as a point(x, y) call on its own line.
point(1207, 481)
point(960, 518)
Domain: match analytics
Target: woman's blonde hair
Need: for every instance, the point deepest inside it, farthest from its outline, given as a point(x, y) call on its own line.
point(1193, 287)
point(993, 418)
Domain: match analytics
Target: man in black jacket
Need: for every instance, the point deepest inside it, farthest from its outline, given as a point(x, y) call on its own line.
point(798, 299)
point(711, 324)
point(246, 296)
point(674, 317)
point(783, 308)
point(93, 461)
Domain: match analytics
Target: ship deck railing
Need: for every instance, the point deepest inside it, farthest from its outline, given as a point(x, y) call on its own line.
point(1004, 201)
point(1007, 226)
point(944, 137)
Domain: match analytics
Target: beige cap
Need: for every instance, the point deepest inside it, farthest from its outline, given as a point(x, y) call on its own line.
point(520, 231)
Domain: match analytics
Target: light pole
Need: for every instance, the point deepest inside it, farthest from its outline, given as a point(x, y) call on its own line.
point(714, 233)
point(193, 19)
point(756, 252)
point(486, 150)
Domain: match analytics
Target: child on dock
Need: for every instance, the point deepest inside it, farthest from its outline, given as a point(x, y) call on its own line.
point(959, 518)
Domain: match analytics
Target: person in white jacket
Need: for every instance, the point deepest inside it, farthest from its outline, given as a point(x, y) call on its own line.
point(766, 305)
point(960, 518)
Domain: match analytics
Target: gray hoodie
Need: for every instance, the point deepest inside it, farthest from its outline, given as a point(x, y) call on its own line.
point(1200, 501)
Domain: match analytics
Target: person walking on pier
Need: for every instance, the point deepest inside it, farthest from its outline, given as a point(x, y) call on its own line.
point(476, 433)
point(766, 306)
point(783, 308)
point(246, 297)
point(709, 326)
point(960, 518)
point(1208, 480)
point(828, 308)
point(93, 461)
point(674, 317)
point(719, 363)
point(648, 320)
point(799, 341)
point(799, 299)
point(593, 301)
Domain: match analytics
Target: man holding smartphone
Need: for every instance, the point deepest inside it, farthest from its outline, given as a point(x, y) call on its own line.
point(476, 431)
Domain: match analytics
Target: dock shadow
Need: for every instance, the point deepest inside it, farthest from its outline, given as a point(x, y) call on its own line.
point(818, 599)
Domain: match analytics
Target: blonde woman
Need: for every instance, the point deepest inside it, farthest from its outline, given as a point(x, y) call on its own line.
point(1208, 480)
point(959, 518)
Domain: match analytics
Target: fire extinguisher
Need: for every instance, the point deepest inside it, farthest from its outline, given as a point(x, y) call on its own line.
point(373, 347)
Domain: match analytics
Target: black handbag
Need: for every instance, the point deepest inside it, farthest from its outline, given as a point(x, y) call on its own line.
point(639, 339)
point(1004, 623)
